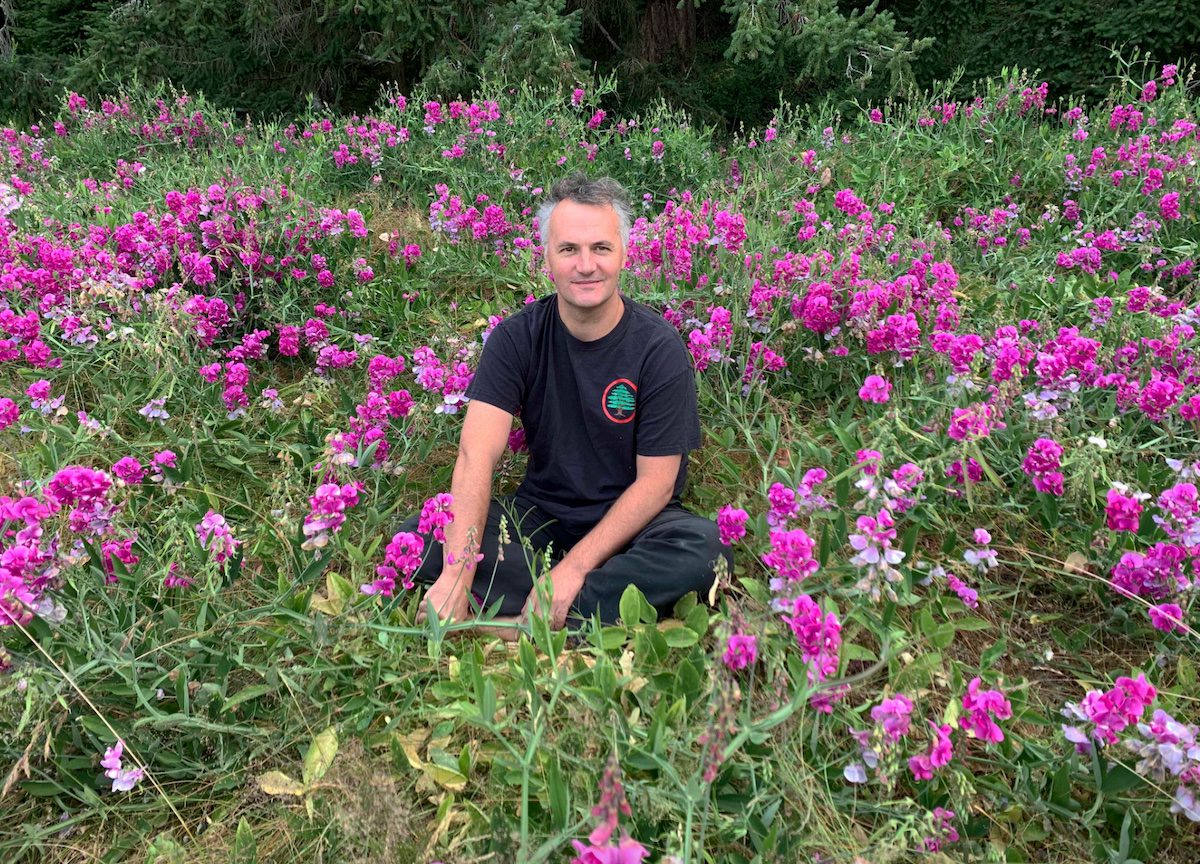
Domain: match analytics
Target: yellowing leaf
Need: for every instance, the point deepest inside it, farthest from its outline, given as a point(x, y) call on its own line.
point(278, 783)
point(320, 756)
point(411, 745)
point(447, 778)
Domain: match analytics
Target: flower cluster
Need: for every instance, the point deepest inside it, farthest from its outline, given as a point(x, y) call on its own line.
point(819, 636)
point(401, 559)
point(123, 779)
point(1108, 712)
point(216, 537)
point(436, 515)
point(1042, 465)
point(875, 555)
point(731, 524)
point(328, 513)
point(981, 710)
point(608, 810)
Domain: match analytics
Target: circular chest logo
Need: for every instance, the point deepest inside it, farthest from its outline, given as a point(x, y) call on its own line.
point(619, 400)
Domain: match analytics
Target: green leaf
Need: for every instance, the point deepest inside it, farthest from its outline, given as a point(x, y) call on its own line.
point(630, 606)
point(245, 845)
point(680, 637)
point(688, 682)
point(246, 694)
point(697, 620)
point(558, 792)
point(320, 756)
point(992, 653)
point(1120, 779)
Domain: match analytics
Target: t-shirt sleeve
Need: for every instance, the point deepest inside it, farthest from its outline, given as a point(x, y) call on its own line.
point(499, 379)
point(668, 421)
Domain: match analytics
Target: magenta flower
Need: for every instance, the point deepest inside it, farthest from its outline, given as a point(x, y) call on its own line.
point(129, 470)
point(977, 421)
point(1167, 617)
point(401, 559)
point(9, 412)
point(893, 716)
point(923, 765)
point(731, 523)
point(875, 388)
point(981, 706)
point(819, 636)
point(76, 484)
point(1168, 205)
point(1042, 464)
point(943, 830)
point(1109, 712)
point(1157, 574)
point(791, 556)
point(436, 515)
point(1123, 512)
point(741, 650)
point(627, 851)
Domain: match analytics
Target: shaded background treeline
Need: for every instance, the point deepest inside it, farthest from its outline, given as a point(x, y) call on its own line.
point(724, 62)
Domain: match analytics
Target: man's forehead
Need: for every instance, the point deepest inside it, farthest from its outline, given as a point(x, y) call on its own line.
point(573, 217)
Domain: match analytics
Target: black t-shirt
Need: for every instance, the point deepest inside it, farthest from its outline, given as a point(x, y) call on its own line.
point(590, 408)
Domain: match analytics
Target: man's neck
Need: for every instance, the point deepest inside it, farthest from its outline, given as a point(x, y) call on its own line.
point(592, 324)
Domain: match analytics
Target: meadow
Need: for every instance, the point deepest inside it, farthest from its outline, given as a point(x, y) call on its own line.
point(946, 355)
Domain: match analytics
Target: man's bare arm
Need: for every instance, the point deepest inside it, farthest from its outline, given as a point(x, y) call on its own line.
point(481, 443)
point(642, 501)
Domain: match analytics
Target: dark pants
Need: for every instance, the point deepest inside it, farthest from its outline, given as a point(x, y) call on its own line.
point(672, 555)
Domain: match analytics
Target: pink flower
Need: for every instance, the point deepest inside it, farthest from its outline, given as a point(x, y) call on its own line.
point(1042, 464)
point(981, 706)
point(436, 515)
point(1168, 205)
point(401, 559)
point(328, 513)
point(875, 388)
point(791, 555)
point(939, 753)
point(1167, 617)
point(1122, 512)
point(893, 716)
point(123, 779)
point(977, 421)
point(627, 851)
point(731, 522)
point(129, 470)
point(740, 651)
point(9, 412)
point(215, 537)
point(77, 484)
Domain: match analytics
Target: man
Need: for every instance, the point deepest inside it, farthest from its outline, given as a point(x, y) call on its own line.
point(606, 394)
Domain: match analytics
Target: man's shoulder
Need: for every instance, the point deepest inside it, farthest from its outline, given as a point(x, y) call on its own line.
point(651, 324)
point(653, 333)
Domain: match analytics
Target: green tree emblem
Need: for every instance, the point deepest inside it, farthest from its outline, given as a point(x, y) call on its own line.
point(621, 400)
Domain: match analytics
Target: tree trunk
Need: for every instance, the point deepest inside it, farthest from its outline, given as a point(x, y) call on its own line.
point(667, 30)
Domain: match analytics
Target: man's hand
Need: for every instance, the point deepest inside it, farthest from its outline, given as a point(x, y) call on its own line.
point(450, 598)
point(565, 583)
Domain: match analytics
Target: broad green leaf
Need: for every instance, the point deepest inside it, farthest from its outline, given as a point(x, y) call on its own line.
point(680, 636)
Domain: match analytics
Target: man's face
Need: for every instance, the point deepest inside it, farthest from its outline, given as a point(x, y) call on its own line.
point(585, 255)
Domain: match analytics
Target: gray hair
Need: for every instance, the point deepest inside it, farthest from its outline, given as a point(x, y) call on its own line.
point(601, 192)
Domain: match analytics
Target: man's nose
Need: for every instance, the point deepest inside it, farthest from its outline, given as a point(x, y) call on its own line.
point(586, 261)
